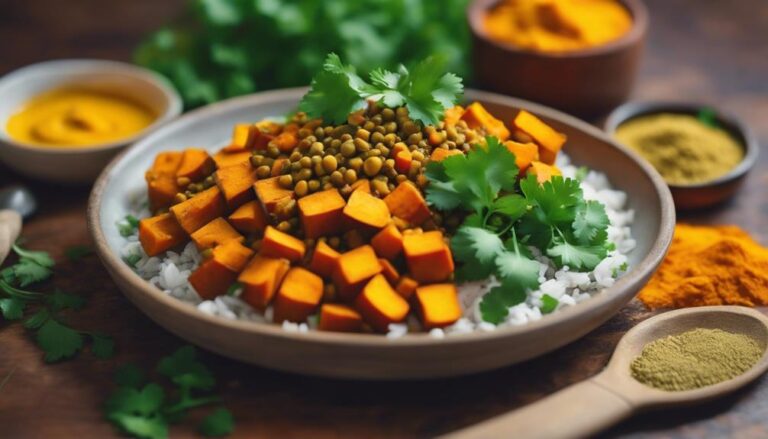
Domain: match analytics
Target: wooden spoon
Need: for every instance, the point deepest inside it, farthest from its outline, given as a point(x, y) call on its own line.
point(590, 406)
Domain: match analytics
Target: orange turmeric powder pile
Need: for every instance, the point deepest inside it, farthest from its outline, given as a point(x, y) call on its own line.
point(557, 25)
point(710, 265)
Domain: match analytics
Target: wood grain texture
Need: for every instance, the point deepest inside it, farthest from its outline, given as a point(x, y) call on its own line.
point(708, 51)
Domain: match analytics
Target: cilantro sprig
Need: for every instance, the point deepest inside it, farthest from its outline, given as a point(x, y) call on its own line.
point(427, 91)
point(506, 217)
point(145, 409)
point(56, 339)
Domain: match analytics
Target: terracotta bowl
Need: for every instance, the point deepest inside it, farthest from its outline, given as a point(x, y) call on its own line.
point(700, 195)
point(586, 83)
point(369, 356)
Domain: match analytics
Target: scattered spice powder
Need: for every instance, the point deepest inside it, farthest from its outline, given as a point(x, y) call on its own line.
point(709, 265)
point(681, 147)
point(696, 358)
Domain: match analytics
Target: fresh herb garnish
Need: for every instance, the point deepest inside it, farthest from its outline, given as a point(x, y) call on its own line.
point(548, 304)
point(507, 216)
point(77, 252)
point(128, 226)
point(57, 340)
point(145, 410)
point(708, 117)
point(338, 91)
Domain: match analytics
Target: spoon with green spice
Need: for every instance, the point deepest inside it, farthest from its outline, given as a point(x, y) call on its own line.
point(679, 357)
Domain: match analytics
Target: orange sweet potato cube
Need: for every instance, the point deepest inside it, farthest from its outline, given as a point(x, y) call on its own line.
point(298, 296)
point(525, 154)
point(214, 276)
point(261, 278)
point(215, 233)
point(438, 305)
point(389, 271)
point(543, 171)
point(407, 203)
point(196, 164)
point(161, 179)
point(270, 193)
point(160, 233)
point(243, 137)
point(249, 218)
point(428, 257)
point(366, 211)
point(321, 213)
point(548, 139)
point(380, 305)
point(453, 115)
point(236, 183)
point(224, 159)
point(406, 286)
point(339, 318)
point(362, 184)
point(353, 269)
point(199, 210)
point(476, 116)
point(440, 154)
point(388, 243)
point(277, 244)
point(324, 259)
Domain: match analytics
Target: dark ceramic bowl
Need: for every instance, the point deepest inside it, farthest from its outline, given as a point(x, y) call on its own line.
point(587, 83)
point(701, 195)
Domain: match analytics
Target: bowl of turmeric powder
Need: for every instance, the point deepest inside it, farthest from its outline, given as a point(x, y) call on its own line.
point(580, 57)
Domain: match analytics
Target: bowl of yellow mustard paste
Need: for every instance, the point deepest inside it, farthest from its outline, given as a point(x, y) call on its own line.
point(702, 153)
point(64, 120)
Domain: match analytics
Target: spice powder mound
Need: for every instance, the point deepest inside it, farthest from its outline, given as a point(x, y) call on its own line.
point(709, 265)
point(694, 359)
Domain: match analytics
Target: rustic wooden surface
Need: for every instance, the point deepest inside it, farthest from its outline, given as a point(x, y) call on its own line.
point(698, 50)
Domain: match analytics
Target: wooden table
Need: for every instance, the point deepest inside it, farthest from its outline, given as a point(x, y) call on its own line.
point(707, 51)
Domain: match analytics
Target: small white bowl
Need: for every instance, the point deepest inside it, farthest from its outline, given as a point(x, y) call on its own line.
point(78, 164)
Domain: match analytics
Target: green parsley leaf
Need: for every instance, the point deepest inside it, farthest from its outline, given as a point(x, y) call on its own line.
point(517, 268)
point(494, 306)
point(590, 226)
point(103, 346)
point(576, 256)
point(58, 341)
point(40, 258)
point(154, 427)
point(12, 308)
point(38, 319)
point(441, 192)
point(335, 92)
point(548, 304)
point(77, 252)
point(218, 423)
point(554, 200)
point(475, 243)
point(512, 206)
point(500, 165)
point(473, 270)
point(129, 375)
point(183, 369)
point(138, 412)
point(27, 272)
point(59, 300)
point(430, 92)
point(387, 87)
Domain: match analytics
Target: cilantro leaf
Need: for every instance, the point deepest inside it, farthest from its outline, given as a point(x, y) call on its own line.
point(58, 341)
point(473, 270)
point(137, 412)
point(475, 243)
point(516, 267)
point(335, 92)
point(183, 369)
point(103, 346)
point(12, 308)
point(512, 206)
point(441, 191)
point(494, 306)
point(590, 223)
point(129, 375)
point(27, 272)
point(548, 304)
point(386, 88)
point(218, 423)
point(38, 319)
point(576, 256)
point(77, 252)
point(140, 426)
point(128, 226)
point(554, 200)
point(131, 260)
point(430, 92)
point(59, 300)
point(40, 258)
point(500, 166)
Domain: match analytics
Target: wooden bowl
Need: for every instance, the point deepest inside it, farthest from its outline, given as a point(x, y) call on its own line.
point(586, 83)
point(700, 195)
point(369, 356)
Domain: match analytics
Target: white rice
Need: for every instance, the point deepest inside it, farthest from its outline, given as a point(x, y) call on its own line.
point(170, 272)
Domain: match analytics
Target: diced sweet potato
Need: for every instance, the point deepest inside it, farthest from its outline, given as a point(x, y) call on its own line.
point(548, 139)
point(406, 286)
point(407, 203)
point(362, 184)
point(161, 179)
point(440, 154)
point(388, 243)
point(403, 161)
point(269, 192)
point(321, 213)
point(476, 116)
point(339, 318)
point(380, 305)
point(298, 296)
point(453, 115)
point(525, 154)
point(261, 278)
point(160, 233)
point(286, 141)
point(428, 256)
point(243, 137)
point(353, 269)
point(543, 171)
point(324, 259)
point(249, 218)
point(367, 211)
point(199, 210)
point(225, 159)
point(196, 164)
point(389, 271)
point(214, 276)
point(236, 183)
point(277, 244)
point(215, 233)
point(438, 305)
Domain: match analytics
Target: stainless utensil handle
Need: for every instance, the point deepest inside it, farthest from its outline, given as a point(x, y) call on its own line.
point(10, 227)
point(580, 410)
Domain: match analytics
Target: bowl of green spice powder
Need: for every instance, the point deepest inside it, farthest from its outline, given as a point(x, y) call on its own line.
point(703, 154)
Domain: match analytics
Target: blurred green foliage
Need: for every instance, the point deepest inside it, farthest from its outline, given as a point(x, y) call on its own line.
point(225, 48)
